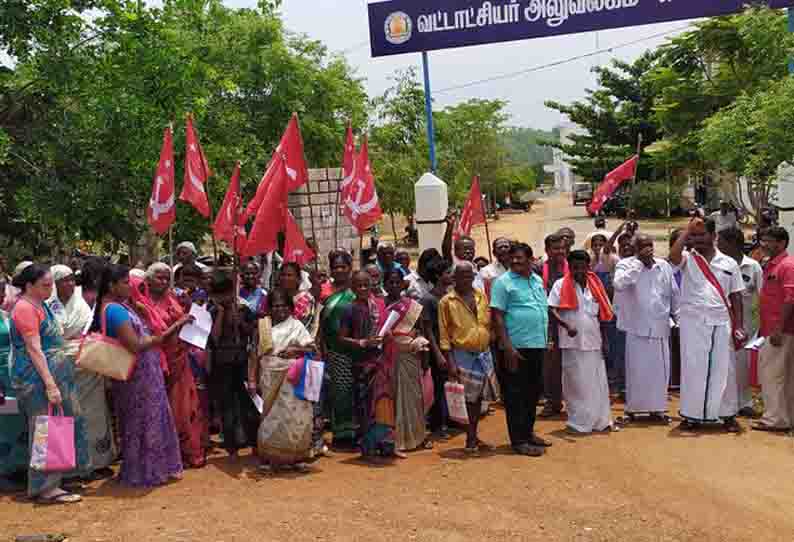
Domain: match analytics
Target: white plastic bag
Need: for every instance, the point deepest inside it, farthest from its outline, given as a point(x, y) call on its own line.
point(456, 402)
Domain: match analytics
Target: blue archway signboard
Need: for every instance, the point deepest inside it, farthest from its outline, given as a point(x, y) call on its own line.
point(410, 26)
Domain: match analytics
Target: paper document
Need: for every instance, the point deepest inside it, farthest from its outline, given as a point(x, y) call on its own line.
point(389, 323)
point(755, 343)
point(197, 332)
point(259, 403)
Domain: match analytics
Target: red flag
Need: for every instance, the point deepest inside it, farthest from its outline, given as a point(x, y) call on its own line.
point(270, 215)
point(473, 212)
point(197, 171)
point(296, 249)
point(290, 150)
point(361, 205)
point(230, 216)
point(161, 212)
point(625, 171)
point(348, 164)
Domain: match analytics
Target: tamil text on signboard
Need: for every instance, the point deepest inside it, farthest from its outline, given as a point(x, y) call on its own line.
point(407, 26)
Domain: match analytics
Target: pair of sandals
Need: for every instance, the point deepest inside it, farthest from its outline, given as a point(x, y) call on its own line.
point(479, 446)
point(62, 497)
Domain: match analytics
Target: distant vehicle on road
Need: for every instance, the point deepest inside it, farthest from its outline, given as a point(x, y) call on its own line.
point(582, 193)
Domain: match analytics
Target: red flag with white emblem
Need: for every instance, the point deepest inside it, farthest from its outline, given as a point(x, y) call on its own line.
point(296, 249)
point(161, 212)
point(229, 225)
point(625, 171)
point(348, 164)
point(290, 151)
point(361, 206)
point(270, 216)
point(473, 211)
point(197, 171)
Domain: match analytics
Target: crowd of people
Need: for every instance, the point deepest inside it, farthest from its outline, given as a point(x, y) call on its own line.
point(565, 331)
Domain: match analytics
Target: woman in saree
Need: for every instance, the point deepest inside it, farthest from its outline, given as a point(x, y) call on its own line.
point(374, 380)
point(14, 453)
point(149, 440)
point(182, 392)
point(337, 353)
point(284, 438)
point(404, 353)
point(43, 377)
point(74, 315)
point(289, 278)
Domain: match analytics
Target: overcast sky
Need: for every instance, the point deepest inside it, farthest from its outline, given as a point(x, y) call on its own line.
point(343, 26)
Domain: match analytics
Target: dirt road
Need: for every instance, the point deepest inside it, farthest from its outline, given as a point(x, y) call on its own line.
point(646, 483)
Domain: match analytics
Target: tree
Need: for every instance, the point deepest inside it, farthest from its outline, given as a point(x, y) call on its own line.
point(753, 136)
point(612, 118)
point(84, 111)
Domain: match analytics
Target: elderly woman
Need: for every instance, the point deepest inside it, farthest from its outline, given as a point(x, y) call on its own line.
point(149, 441)
point(285, 433)
point(182, 392)
point(14, 455)
point(43, 375)
point(74, 315)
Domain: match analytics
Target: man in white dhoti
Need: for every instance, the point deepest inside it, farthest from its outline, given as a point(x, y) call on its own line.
point(711, 320)
point(731, 242)
point(579, 302)
point(649, 298)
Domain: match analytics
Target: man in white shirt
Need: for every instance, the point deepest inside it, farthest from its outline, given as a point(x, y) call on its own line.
point(577, 308)
point(649, 297)
point(731, 242)
point(501, 265)
point(711, 320)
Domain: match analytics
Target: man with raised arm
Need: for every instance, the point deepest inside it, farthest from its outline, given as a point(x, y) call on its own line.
point(649, 295)
point(712, 324)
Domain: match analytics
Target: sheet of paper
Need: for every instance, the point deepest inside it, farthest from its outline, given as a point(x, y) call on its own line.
point(259, 403)
point(389, 323)
point(197, 332)
point(755, 343)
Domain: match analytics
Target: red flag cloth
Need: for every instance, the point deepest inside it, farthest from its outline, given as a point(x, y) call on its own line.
point(290, 150)
point(625, 171)
point(473, 212)
point(296, 249)
point(230, 216)
point(361, 206)
point(270, 216)
point(161, 212)
point(348, 165)
point(197, 171)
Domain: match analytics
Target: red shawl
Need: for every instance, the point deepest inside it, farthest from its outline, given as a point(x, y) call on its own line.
point(568, 299)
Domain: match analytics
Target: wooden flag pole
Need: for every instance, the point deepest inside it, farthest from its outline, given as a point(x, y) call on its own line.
point(171, 252)
point(207, 193)
point(487, 231)
point(636, 170)
point(336, 210)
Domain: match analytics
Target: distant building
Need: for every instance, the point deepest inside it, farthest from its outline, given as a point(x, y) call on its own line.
point(564, 177)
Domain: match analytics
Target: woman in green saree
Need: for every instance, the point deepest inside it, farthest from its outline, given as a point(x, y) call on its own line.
point(339, 363)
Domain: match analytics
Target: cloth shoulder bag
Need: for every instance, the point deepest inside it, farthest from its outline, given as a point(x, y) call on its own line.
point(105, 355)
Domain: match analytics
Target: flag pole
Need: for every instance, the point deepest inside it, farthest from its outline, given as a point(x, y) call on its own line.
point(207, 192)
point(235, 258)
point(487, 231)
point(171, 252)
point(311, 209)
point(336, 211)
point(636, 170)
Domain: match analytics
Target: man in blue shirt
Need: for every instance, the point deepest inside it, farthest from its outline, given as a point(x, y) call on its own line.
point(520, 315)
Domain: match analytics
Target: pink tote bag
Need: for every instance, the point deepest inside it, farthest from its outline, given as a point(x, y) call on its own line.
point(53, 443)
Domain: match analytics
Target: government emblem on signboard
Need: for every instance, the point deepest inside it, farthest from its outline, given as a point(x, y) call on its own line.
point(398, 28)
